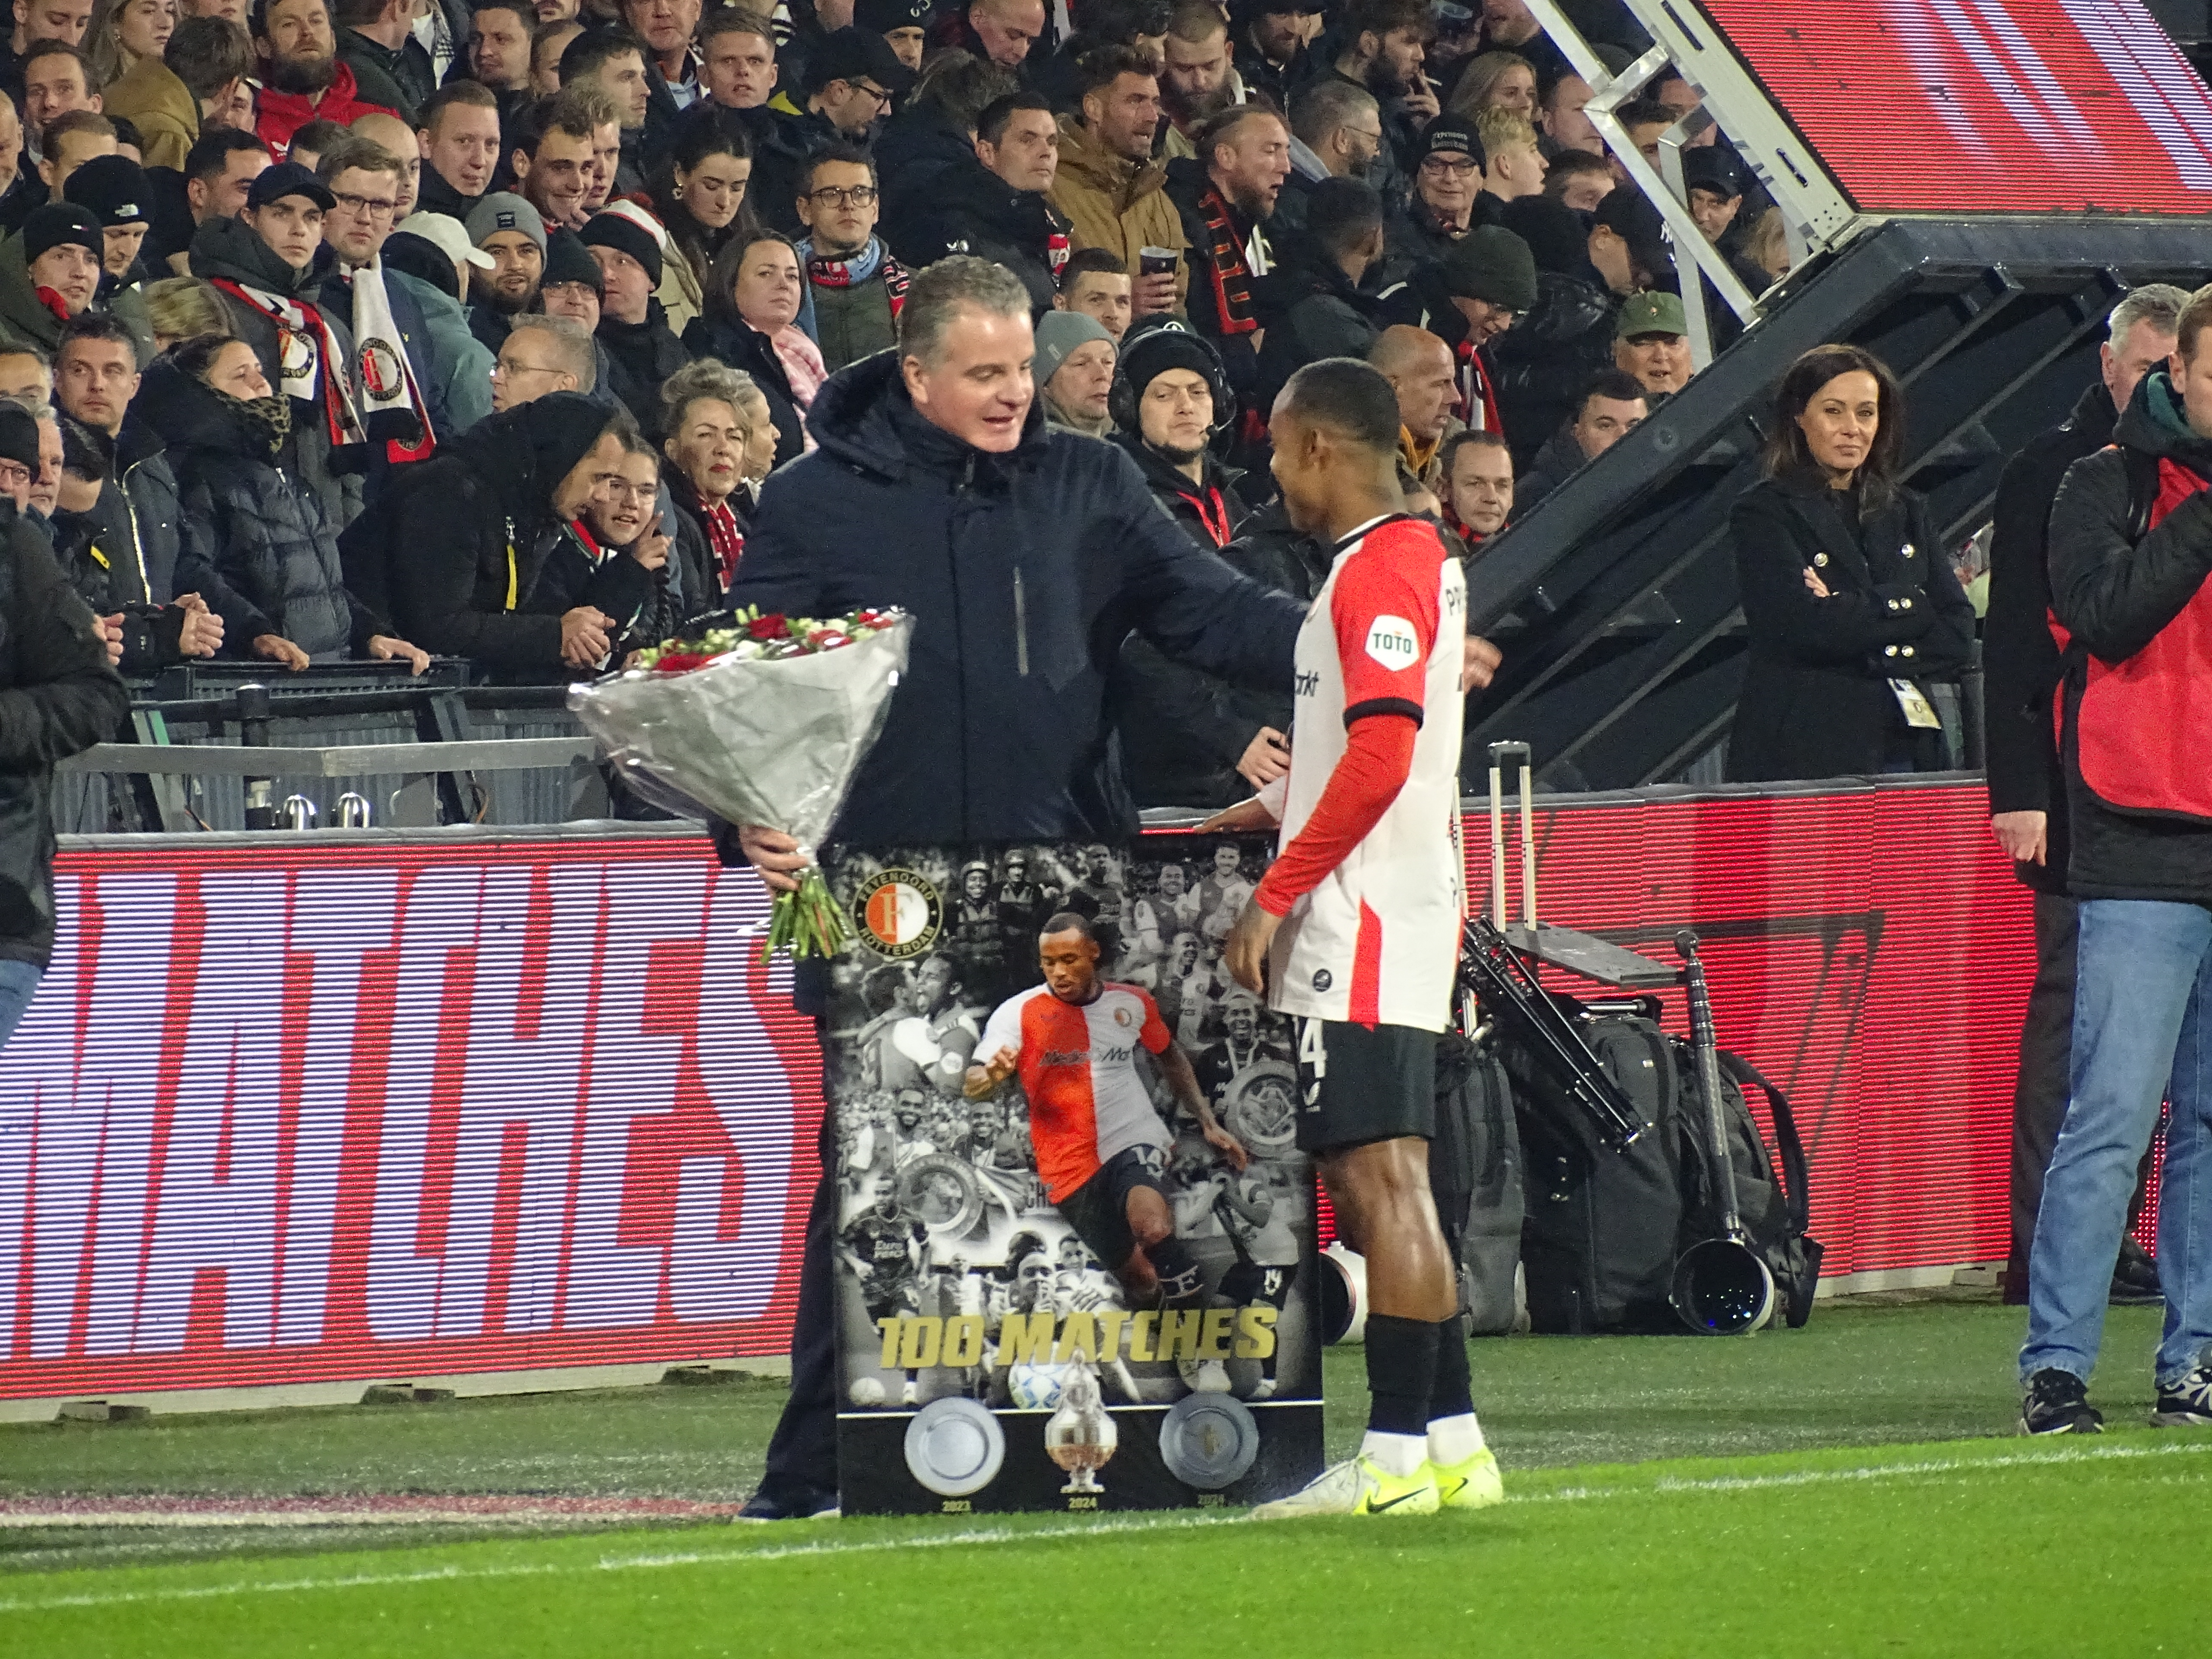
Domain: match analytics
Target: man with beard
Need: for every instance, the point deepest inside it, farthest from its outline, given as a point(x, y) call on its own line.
point(1271, 45)
point(855, 289)
point(460, 140)
point(1384, 42)
point(1220, 1064)
point(1226, 195)
point(994, 205)
point(1336, 129)
point(302, 79)
point(1196, 81)
point(1112, 191)
point(512, 233)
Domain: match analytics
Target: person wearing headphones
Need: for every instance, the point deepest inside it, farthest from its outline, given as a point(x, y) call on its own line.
point(1188, 738)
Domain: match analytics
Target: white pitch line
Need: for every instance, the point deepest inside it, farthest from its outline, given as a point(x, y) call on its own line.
point(999, 1535)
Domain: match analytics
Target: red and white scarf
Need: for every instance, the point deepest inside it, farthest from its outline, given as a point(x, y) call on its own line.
point(311, 364)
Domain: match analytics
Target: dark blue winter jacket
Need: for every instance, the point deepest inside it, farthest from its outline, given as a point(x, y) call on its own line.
point(1024, 572)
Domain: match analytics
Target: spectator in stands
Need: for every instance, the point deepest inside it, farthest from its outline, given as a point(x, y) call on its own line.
point(95, 378)
point(59, 695)
point(1578, 178)
point(364, 180)
point(904, 25)
point(1645, 120)
point(19, 188)
point(1468, 298)
point(1626, 243)
point(302, 78)
point(1074, 372)
point(114, 190)
point(309, 142)
point(2128, 537)
point(1197, 81)
point(254, 542)
point(1113, 195)
point(167, 94)
point(999, 30)
point(1336, 131)
point(1567, 337)
point(612, 62)
point(850, 304)
point(1271, 56)
point(58, 254)
point(553, 161)
point(1513, 168)
point(1096, 283)
point(930, 145)
point(499, 33)
point(632, 326)
point(1475, 486)
point(1503, 81)
point(547, 44)
point(376, 40)
point(509, 230)
point(65, 21)
point(1141, 24)
point(1420, 370)
point(673, 60)
point(27, 372)
point(1651, 341)
point(995, 207)
point(102, 566)
point(1381, 45)
point(429, 256)
point(542, 354)
point(181, 306)
point(396, 139)
point(1322, 310)
point(612, 557)
point(460, 140)
point(699, 195)
point(57, 81)
point(457, 543)
point(1612, 407)
point(1852, 608)
point(738, 59)
point(752, 299)
point(705, 414)
point(220, 169)
point(1560, 104)
point(2026, 776)
point(1442, 209)
point(1226, 195)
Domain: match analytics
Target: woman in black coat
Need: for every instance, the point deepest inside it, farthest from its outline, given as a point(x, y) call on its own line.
point(253, 539)
point(1852, 608)
point(722, 333)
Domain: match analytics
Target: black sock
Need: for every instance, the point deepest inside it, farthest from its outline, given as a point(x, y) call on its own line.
point(1401, 1363)
point(1451, 1395)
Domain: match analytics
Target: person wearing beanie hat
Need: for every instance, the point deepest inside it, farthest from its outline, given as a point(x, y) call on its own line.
point(50, 271)
point(512, 232)
point(1467, 298)
point(633, 325)
point(1074, 371)
point(902, 23)
point(1446, 185)
point(1566, 339)
point(573, 283)
point(113, 189)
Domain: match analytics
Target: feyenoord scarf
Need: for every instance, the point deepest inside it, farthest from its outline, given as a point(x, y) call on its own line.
point(387, 380)
point(310, 366)
point(1231, 265)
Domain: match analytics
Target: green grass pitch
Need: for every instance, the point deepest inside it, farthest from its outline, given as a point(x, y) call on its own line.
point(1848, 1489)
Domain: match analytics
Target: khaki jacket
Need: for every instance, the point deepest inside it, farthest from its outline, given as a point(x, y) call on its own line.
point(152, 98)
point(1120, 206)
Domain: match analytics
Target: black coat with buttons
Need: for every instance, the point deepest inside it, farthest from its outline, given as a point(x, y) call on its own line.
point(1817, 701)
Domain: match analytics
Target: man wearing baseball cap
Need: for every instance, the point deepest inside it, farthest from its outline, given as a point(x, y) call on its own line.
point(512, 233)
point(49, 273)
point(1650, 341)
point(1467, 297)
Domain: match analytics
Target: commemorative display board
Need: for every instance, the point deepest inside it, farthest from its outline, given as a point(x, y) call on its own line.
point(999, 1350)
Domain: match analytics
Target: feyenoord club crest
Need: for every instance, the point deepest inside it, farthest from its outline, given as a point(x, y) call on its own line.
point(380, 373)
point(900, 915)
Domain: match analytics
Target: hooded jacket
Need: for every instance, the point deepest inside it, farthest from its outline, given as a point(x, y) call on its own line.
point(1545, 359)
point(454, 546)
point(57, 698)
point(726, 336)
point(278, 115)
point(2021, 662)
point(917, 154)
point(24, 316)
point(1816, 700)
point(2136, 612)
point(229, 250)
point(256, 545)
point(1319, 313)
point(1120, 206)
point(968, 209)
point(151, 98)
point(1025, 572)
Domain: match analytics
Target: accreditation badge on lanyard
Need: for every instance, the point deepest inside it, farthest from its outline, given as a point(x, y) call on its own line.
point(1919, 712)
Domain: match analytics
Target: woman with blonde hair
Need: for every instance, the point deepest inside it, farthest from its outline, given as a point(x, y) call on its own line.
point(122, 32)
point(1495, 79)
point(182, 307)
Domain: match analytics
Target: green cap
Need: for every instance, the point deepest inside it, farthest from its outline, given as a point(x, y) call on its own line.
point(1651, 313)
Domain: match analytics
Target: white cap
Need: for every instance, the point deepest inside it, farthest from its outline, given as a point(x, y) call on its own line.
point(448, 233)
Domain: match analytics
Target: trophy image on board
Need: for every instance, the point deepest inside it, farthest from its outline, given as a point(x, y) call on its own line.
point(1081, 1437)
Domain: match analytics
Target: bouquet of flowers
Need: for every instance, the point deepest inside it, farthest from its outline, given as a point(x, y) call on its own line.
point(760, 721)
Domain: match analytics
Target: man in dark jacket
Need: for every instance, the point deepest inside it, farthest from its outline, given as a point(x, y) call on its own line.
point(1026, 558)
point(452, 554)
point(58, 697)
point(994, 206)
point(1467, 299)
point(2027, 783)
point(2130, 555)
point(1566, 341)
point(1320, 310)
point(1226, 194)
point(95, 378)
point(633, 327)
point(391, 67)
point(1612, 406)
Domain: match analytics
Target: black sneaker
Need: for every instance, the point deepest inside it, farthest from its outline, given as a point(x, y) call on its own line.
point(2058, 1403)
point(2186, 1403)
point(2135, 1277)
point(808, 1504)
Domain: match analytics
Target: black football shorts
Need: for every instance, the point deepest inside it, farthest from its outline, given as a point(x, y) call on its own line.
point(1358, 1084)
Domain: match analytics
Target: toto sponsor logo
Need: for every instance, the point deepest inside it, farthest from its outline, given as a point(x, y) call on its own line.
point(278, 1116)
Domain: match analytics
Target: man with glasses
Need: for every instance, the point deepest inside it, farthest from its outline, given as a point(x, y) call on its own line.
point(542, 354)
point(851, 78)
point(1336, 131)
point(1467, 297)
point(854, 287)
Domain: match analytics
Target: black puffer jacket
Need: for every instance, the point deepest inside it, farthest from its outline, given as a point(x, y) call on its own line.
point(2120, 595)
point(1545, 359)
point(57, 698)
point(104, 573)
point(643, 355)
point(455, 544)
point(722, 334)
point(1816, 700)
point(1026, 572)
point(1317, 312)
point(256, 545)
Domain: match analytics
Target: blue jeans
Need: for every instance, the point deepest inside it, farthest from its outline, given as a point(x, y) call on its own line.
point(18, 980)
point(2143, 1032)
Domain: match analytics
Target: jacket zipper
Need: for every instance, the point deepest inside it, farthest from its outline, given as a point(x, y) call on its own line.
point(138, 541)
point(1021, 626)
